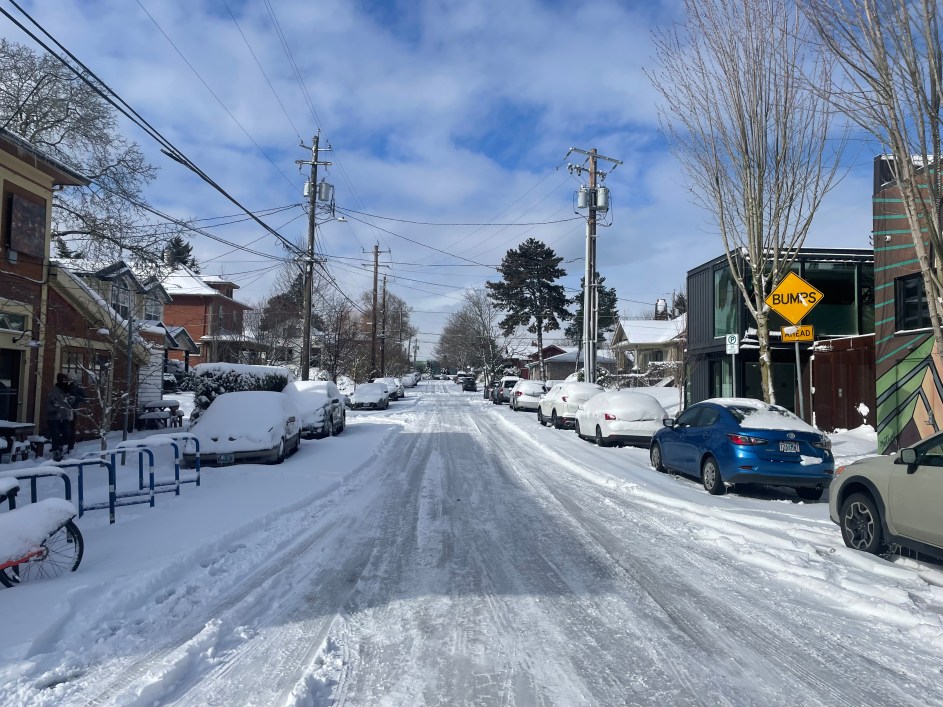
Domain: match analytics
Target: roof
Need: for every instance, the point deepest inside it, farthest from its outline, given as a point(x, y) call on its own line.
point(61, 173)
point(183, 281)
point(651, 331)
point(576, 356)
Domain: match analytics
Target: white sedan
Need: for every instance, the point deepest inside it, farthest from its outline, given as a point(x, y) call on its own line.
point(620, 417)
point(314, 406)
point(559, 405)
point(526, 395)
point(247, 426)
point(370, 396)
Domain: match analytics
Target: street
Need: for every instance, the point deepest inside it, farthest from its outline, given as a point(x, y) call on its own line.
point(476, 557)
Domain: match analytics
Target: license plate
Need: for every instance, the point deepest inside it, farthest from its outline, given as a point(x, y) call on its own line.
point(789, 447)
point(222, 459)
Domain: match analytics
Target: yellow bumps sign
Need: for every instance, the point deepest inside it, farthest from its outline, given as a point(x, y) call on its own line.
point(793, 298)
point(802, 332)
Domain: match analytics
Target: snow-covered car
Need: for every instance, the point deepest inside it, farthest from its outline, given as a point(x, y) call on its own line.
point(370, 396)
point(526, 395)
point(558, 407)
point(892, 500)
point(393, 385)
point(246, 426)
point(339, 403)
point(502, 391)
point(620, 417)
point(314, 407)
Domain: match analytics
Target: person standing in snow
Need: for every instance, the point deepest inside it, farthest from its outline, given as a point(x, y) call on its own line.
point(59, 413)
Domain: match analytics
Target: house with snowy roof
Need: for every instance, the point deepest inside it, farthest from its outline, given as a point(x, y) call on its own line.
point(648, 351)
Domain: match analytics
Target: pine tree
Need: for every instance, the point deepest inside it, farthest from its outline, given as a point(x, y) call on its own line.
point(179, 252)
point(528, 292)
point(607, 318)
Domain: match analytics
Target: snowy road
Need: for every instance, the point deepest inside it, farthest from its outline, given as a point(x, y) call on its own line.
point(477, 558)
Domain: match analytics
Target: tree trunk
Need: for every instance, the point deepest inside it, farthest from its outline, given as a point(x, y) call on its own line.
point(766, 363)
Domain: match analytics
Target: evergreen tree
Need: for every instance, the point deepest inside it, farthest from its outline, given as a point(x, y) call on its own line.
point(529, 293)
point(608, 313)
point(179, 252)
point(680, 304)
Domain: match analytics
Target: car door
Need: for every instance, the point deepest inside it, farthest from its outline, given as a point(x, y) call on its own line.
point(674, 445)
point(915, 496)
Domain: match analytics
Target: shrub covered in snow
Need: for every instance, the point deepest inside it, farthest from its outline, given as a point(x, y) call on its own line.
point(210, 380)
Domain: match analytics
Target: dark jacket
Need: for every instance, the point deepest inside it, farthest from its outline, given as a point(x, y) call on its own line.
point(59, 403)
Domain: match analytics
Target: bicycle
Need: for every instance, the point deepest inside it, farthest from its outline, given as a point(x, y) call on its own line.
point(37, 541)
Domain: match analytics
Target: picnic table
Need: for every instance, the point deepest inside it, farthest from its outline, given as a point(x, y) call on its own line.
point(159, 414)
point(14, 438)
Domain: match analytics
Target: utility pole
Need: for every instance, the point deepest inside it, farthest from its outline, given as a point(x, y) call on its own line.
point(383, 335)
point(596, 199)
point(312, 193)
point(373, 316)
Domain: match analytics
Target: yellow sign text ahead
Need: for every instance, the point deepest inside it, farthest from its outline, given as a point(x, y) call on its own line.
point(793, 298)
point(803, 332)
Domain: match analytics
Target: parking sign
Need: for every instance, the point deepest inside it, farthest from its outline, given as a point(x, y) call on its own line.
point(733, 344)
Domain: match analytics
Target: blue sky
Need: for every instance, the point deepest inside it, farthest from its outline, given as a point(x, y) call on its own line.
point(437, 112)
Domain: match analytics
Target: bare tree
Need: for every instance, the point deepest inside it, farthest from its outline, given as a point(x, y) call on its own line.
point(472, 337)
point(47, 105)
point(754, 140)
point(890, 83)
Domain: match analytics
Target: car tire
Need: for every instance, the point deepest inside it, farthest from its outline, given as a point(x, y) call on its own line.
point(280, 457)
point(861, 526)
point(555, 422)
point(600, 442)
point(540, 417)
point(710, 477)
point(576, 428)
point(809, 493)
point(654, 455)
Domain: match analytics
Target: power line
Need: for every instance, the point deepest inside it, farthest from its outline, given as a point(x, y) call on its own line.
point(434, 223)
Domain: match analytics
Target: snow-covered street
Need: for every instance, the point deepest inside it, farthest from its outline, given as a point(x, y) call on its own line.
point(449, 551)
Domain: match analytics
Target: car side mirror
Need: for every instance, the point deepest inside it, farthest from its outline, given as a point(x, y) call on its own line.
point(908, 456)
point(668, 422)
point(335, 400)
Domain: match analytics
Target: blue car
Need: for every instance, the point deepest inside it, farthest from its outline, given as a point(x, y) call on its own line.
point(729, 441)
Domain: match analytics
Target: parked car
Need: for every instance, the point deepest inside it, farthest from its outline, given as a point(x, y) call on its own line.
point(620, 417)
point(393, 385)
point(469, 384)
point(339, 403)
point(502, 390)
point(317, 408)
point(892, 500)
point(246, 426)
point(558, 407)
point(728, 441)
point(370, 396)
point(526, 395)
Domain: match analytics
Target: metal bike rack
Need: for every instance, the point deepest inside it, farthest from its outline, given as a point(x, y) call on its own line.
point(37, 473)
point(172, 439)
point(80, 464)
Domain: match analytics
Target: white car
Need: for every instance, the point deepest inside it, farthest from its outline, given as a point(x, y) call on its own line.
point(526, 395)
point(620, 417)
point(558, 407)
point(314, 406)
point(370, 396)
point(339, 404)
point(246, 426)
point(393, 385)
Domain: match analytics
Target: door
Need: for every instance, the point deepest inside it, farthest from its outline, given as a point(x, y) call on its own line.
point(675, 449)
point(915, 496)
point(10, 360)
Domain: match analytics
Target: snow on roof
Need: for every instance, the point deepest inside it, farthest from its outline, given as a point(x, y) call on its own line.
point(653, 331)
point(218, 279)
point(183, 281)
point(574, 355)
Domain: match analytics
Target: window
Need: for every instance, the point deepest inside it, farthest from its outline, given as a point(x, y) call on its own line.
point(911, 303)
point(725, 299)
point(152, 309)
point(121, 300)
point(689, 417)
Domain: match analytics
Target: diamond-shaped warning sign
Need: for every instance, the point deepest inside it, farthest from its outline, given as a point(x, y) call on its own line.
point(793, 298)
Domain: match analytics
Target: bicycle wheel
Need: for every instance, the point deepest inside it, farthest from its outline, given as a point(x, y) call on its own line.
point(61, 552)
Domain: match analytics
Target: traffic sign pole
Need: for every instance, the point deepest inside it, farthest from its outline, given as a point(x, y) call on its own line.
point(799, 383)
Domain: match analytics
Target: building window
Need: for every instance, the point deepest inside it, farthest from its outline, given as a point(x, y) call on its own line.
point(911, 303)
point(725, 299)
point(153, 310)
point(121, 300)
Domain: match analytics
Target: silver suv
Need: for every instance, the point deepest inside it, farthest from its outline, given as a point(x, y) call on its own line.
point(502, 391)
point(892, 500)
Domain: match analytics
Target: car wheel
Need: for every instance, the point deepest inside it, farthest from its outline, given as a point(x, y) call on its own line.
point(555, 421)
point(861, 524)
point(540, 417)
point(280, 457)
point(710, 477)
point(810, 494)
point(655, 455)
point(576, 428)
point(600, 442)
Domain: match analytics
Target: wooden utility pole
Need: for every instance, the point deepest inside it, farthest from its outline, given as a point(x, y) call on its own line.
point(373, 316)
point(383, 334)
